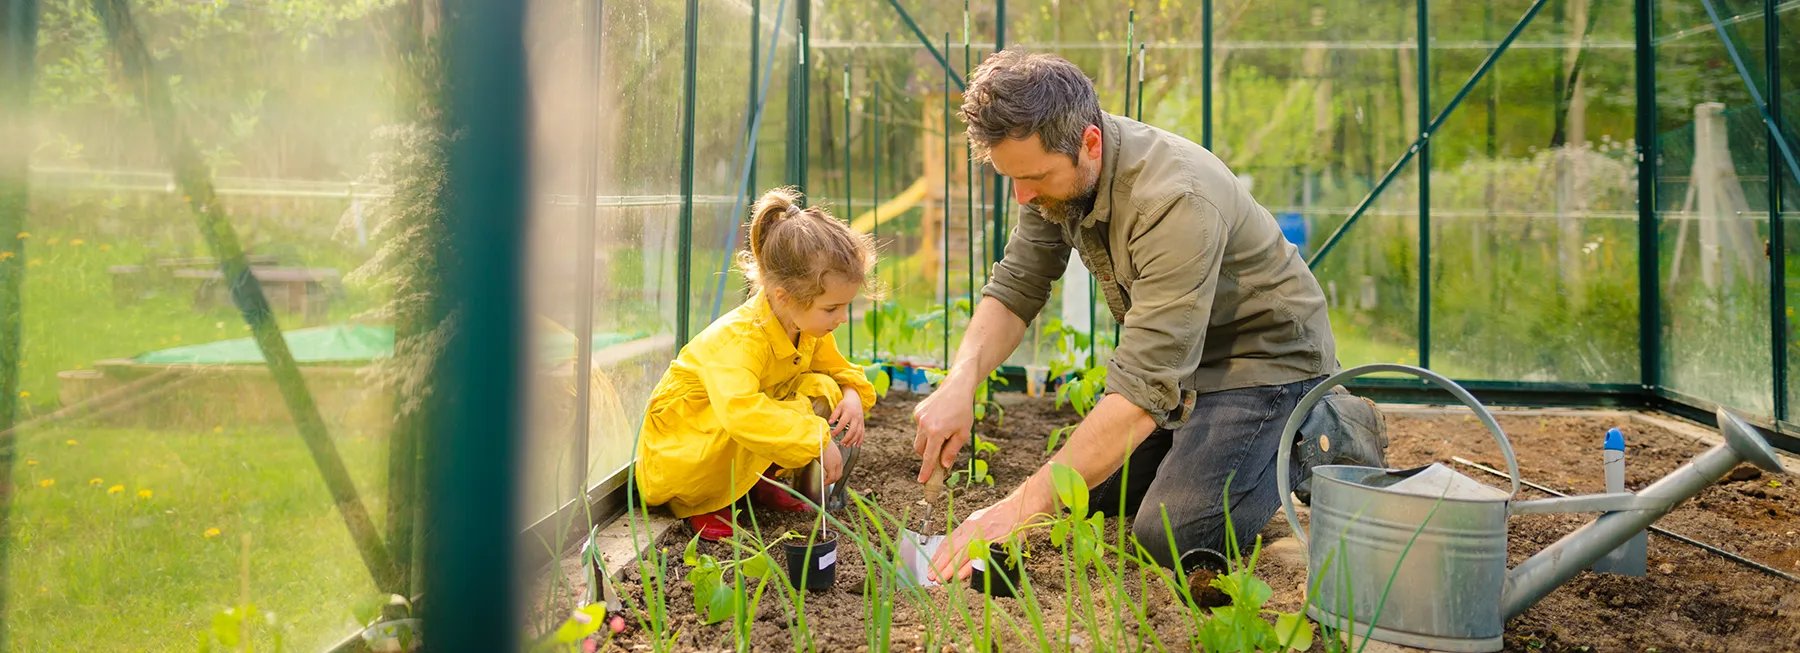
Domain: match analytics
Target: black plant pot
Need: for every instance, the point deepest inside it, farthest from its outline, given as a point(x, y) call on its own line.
point(999, 575)
point(817, 563)
point(1201, 567)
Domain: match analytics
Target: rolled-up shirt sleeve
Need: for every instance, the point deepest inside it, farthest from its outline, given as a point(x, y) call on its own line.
point(1178, 250)
point(1036, 256)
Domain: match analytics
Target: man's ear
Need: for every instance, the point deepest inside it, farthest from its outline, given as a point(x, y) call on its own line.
point(1090, 142)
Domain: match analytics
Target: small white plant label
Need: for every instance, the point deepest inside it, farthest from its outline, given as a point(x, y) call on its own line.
point(827, 560)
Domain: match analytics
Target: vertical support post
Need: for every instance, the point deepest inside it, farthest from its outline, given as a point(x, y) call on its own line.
point(1777, 228)
point(751, 104)
point(799, 102)
point(944, 220)
point(584, 248)
point(849, 202)
point(1142, 49)
point(477, 408)
point(969, 170)
point(1649, 236)
point(1130, 36)
point(997, 241)
point(1206, 73)
point(684, 257)
point(1424, 37)
point(875, 197)
point(18, 62)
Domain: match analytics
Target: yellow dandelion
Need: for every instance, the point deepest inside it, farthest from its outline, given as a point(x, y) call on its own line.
point(95, 481)
point(6, 255)
point(218, 429)
point(34, 263)
point(77, 242)
point(31, 462)
point(23, 235)
point(24, 394)
point(210, 533)
point(71, 442)
point(144, 494)
point(53, 240)
point(47, 482)
point(105, 247)
point(115, 489)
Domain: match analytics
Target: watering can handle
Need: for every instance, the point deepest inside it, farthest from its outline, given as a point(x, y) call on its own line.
point(1284, 455)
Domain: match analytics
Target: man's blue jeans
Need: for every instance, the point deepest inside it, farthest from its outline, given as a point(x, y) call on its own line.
point(1231, 439)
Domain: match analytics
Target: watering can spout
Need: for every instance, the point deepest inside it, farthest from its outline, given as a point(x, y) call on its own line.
point(1627, 514)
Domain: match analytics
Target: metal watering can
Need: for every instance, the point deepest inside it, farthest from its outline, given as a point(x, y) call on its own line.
point(1421, 553)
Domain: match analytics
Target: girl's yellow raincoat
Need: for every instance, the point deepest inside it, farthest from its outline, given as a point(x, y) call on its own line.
point(737, 399)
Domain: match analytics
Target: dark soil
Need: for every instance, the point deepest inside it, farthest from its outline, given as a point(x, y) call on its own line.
point(1691, 600)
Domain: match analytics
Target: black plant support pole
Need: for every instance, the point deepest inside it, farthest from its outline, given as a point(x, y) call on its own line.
point(1649, 234)
point(969, 189)
point(849, 204)
point(195, 182)
point(997, 237)
point(684, 256)
point(1778, 328)
point(1424, 185)
point(1206, 74)
point(875, 199)
point(1143, 52)
point(751, 103)
point(1130, 49)
point(944, 220)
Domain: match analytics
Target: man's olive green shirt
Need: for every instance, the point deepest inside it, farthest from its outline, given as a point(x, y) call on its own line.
point(1209, 294)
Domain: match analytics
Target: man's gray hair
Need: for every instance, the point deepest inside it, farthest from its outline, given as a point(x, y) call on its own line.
point(1013, 94)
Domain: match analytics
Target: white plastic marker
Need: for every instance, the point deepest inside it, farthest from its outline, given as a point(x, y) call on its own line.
point(824, 530)
point(916, 552)
point(1630, 558)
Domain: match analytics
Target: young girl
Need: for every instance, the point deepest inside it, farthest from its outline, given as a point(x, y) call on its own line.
point(764, 387)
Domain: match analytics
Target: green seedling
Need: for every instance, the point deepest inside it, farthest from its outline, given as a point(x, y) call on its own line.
point(715, 597)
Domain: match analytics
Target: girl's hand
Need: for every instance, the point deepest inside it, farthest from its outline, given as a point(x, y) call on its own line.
point(834, 463)
point(847, 420)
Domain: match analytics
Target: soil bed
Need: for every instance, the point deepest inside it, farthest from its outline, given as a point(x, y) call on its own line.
point(1691, 599)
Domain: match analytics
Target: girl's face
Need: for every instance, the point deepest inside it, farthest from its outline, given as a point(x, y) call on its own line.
point(828, 311)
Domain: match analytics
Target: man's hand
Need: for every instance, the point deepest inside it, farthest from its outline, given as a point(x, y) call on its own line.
point(941, 426)
point(834, 463)
point(994, 523)
point(847, 419)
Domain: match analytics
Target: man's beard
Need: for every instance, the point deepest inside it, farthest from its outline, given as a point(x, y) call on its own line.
point(1071, 210)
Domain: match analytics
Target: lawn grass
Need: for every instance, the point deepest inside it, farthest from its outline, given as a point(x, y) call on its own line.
point(90, 560)
point(116, 547)
point(72, 320)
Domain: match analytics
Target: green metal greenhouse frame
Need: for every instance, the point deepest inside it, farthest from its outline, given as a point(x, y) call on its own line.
point(472, 563)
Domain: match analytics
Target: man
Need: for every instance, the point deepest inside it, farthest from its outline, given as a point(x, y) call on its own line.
point(1223, 329)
